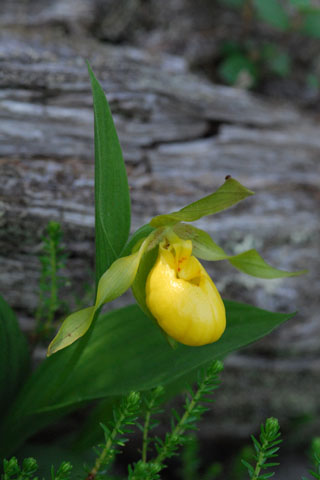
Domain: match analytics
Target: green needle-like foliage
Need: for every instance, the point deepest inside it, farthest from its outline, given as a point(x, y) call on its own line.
point(13, 471)
point(151, 401)
point(190, 458)
point(52, 261)
point(63, 472)
point(124, 416)
point(315, 456)
point(193, 409)
point(266, 449)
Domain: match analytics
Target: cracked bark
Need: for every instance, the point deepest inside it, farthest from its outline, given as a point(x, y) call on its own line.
point(180, 136)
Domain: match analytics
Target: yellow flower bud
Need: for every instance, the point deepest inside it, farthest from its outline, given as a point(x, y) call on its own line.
point(182, 297)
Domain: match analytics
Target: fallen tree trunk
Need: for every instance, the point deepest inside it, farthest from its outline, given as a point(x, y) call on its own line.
point(180, 136)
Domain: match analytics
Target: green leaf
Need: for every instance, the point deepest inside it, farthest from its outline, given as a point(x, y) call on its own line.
point(125, 352)
point(230, 193)
point(112, 199)
point(273, 13)
point(238, 69)
point(252, 263)
point(311, 23)
point(14, 356)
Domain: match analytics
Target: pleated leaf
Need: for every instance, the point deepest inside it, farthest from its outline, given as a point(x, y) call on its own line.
point(112, 199)
point(14, 355)
point(125, 352)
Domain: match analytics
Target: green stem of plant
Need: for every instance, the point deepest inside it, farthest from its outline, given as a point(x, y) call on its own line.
point(179, 428)
point(145, 436)
point(259, 462)
point(53, 289)
point(105, 452)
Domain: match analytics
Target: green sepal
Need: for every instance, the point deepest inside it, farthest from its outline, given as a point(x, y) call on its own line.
point(249, 262)
point(230, 193)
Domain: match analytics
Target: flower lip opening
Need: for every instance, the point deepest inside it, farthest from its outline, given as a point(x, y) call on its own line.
point(178, 254)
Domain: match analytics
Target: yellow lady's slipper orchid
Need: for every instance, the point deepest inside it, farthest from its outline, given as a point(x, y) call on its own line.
point(182, 297)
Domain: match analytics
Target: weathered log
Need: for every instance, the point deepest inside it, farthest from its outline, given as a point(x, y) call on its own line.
point(180, 136)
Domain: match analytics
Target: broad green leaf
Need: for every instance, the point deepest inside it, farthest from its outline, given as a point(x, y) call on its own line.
point(252, 263)
point(112, 199)
point(14, 355)
point(273, 13)
point(230, 193)
point(126, 351)
point(202, 244)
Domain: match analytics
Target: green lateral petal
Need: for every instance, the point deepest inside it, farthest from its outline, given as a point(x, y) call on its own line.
point(74, 327)
point(118, 278)
point(252, 263)
point(249, 262)
point(230, 193)
point(113, 283)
